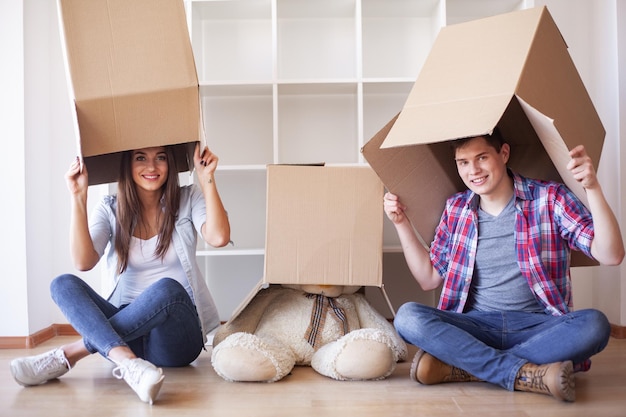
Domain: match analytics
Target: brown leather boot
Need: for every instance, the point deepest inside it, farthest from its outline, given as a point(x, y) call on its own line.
point(428, 370)
point(556, 379)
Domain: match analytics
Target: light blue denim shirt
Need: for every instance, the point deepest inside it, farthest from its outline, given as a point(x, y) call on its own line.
point(191, 217)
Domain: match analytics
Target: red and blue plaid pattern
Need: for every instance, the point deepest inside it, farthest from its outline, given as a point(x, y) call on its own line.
point(550, 222)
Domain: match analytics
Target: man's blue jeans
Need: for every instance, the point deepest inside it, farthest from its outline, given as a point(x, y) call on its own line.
point(493, 346)
point(161, 325)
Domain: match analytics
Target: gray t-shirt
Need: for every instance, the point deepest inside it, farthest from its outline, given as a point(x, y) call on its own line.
point(498, 284)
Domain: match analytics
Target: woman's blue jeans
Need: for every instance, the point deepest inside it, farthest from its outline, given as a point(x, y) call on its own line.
point(160, 326)
point(494, 345)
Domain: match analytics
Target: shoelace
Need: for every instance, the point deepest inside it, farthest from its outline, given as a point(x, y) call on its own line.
point(458, 375)
point(130, 372)
point(51, 362)
point(534, 379)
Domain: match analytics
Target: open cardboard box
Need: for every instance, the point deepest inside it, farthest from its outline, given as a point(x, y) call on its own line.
point(512, 71)
point(324, 226)
point(133, 80)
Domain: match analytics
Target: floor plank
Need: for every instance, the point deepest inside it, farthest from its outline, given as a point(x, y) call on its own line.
point(90, 390)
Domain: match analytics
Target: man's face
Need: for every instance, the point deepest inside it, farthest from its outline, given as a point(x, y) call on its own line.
point(481, 167)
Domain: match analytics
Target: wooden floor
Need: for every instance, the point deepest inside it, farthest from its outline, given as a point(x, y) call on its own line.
point(90, 390)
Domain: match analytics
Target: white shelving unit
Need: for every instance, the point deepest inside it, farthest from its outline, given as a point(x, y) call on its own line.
point(303, 81)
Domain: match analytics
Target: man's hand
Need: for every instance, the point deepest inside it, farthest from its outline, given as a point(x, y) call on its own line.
point(393, 208)
point(582, 168)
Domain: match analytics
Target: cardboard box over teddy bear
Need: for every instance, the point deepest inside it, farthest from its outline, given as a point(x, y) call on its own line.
point(323, 243)
point(133, 81)
point(512, 71)
point(323, 227)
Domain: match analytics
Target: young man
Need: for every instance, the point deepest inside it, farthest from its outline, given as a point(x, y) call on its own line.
point(502, 253)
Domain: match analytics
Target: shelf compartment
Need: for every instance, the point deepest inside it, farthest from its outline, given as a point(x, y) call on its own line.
point(231, 279)
point(382, 101)
point(317, 123)
point(316, 39)
point(233, 40)
point(397, 36)
point(459, 11)
point(243, 196)
point(238, 121)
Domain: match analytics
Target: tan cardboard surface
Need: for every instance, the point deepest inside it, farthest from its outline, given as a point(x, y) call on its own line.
point(133, 78)
point(324, 225)
point(512, 71)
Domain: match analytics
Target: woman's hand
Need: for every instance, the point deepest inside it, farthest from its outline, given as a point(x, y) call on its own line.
point(77, 179)
point(205, 163)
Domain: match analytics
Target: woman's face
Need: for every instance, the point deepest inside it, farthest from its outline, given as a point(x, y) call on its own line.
point(149, 167)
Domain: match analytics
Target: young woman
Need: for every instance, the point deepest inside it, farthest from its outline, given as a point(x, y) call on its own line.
point(160, 310)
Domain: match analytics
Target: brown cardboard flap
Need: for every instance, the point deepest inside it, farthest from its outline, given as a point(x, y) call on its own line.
point(436, 122)
point(419, 175)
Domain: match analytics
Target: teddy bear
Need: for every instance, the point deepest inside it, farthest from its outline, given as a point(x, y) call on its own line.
point(331, 328)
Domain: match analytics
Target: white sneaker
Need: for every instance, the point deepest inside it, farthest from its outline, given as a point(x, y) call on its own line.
point(36, 370)
point(142, 376)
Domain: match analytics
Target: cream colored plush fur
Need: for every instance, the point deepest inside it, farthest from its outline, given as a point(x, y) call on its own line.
point(268, 338)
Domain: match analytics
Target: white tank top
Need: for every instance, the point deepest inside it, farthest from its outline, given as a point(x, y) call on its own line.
point(145, 268)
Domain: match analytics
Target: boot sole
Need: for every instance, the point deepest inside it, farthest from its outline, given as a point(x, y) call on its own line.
point(414, 365)
point(565, 383)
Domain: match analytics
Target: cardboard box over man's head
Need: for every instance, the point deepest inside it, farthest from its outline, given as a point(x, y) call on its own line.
point(512, 71)
point(133, 80)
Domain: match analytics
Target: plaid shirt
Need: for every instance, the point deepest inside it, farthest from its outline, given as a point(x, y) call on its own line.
point(550, 221)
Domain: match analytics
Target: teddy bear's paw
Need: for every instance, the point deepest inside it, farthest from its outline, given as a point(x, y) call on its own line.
point(360, 355)
point(365, 359)
point(245, 357)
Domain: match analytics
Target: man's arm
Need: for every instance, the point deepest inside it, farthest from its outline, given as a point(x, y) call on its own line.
point(607, 246)
point(416, 255)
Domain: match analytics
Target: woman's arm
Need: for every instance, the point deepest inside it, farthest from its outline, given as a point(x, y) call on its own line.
point(82, 250)
point(216, 229)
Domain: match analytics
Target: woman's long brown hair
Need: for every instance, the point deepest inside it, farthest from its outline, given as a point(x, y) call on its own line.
point(129, 208)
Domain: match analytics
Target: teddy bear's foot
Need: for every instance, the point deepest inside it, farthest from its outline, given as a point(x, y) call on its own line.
point(245, 357)
point(359, 355)
point(351, 364)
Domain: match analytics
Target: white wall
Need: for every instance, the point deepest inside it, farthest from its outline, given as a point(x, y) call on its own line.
point(40, 157)
point(609, 282)
point(13, 301)
point(38, 147)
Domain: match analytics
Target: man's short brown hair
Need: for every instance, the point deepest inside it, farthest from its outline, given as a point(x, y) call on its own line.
point(495, 140)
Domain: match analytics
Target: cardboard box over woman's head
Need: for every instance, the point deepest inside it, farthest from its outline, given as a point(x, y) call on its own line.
point(512, 71)
point(132, 78)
